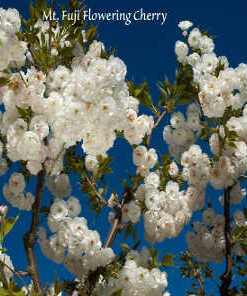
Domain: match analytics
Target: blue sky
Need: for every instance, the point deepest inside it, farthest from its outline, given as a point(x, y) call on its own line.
point(148, 51)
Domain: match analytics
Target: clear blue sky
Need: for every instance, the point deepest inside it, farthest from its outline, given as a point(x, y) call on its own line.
point(148, 51)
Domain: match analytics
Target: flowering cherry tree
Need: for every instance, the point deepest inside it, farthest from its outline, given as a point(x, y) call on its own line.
point(65, 101)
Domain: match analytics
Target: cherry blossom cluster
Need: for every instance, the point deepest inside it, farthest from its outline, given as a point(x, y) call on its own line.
point(144, 159)
point(72, 243)
point(59, 185)
point(207, 242)
point(239, 125)
point(196, 171)
point(166, 211)
point(217, 91)
point(196, 167)
point(14, 193)
point(12, 50)
point(219, 87)
point(184, 26)
point(182, 133)
point(232, 163)
point(131, 212)
point(137, 127)
point(135, 278)
point(88, 103)
point(92, 95)
point(25, 140)
point(44, 30)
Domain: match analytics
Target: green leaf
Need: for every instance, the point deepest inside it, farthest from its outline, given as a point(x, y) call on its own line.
point(137, 92)
point(34, 13)
point(125, 247)
point(117, 293)
point(100, 191)
point(8, 224)
point(125, 183)
point(134, 233)
point(183, 101)
point(119, 134)
point(3, 292)
point(91, 32)
point(3, 81)
point(128, 231)
point(153, 252)
point(167, 260)
point(232, 144)
point(20, 293)
point(11, 291)
point(25, 113)
point(147, 100)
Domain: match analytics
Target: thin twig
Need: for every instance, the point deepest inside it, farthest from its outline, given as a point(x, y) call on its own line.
point(99, 196)
point(156, 125)
point(117, 221)
point(21, 76)
point(113, 232)
point(200, 284)
point(93, 276)
point(30, 237)
point(226, 278)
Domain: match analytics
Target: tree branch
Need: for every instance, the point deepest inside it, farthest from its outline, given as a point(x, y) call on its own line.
point(117, 221)
point(99, 196)
point(94, 276)
point(162, 115)
point(200, 284)
point(113, 231)
point(226, 278)
point(30, 237)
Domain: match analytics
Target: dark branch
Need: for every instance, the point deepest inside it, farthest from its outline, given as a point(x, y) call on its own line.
point(226, 278)
point(94, 275)
point(30, 237)
point(200, 284)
